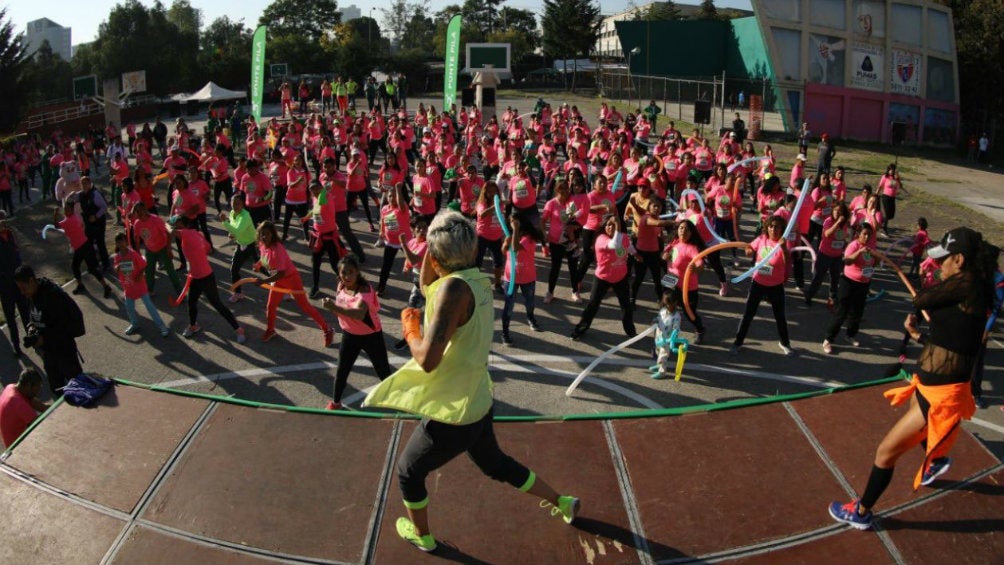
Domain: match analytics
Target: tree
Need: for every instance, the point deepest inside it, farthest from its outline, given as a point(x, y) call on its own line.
point(47, 76)
point(225, 53)
point(308, 20)
point(139, 38)
point(368, 31)
point(419, 33)
point(12, 67)
point(187, 18)
point(660, 11)
point(979, 36)
point(570, 28)
point(188, 21)
point(400, 14)
point(352, 53)
point(708, 11)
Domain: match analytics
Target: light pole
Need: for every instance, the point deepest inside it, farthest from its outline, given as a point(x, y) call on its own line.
point(369, 30)
point(634, 51)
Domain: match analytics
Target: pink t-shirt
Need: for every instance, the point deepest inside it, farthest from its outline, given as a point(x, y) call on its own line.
point(152, 231)
point(820, 210)
point(611, 264)
point(555, 215)
point(396, 223)
point(16, 414)
point(73, 227)
point(833, 246)
point(186, 203)
point(889, 186)
point(488, 225)
point(863, 268)
point(201, 190)
point(371, 322)
point(722, 200)
point(196, 250)
point(648, 236)
point(276, 259)
point(526, 268)
point(257, 188)
point(680, 255)
point(336, 189)
point(129, 266)
point(522, 191)
point(774, 272)
point(595, 218)
point(297, 181)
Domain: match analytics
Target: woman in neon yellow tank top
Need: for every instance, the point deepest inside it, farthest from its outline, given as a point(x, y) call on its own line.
point(447, 381)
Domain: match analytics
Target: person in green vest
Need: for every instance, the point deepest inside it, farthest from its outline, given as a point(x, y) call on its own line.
point(239, 224)
point(341, 94)
point(391, 92)
point(353, 88)
point(652, 112)
point(48, 183)
point(447, 382)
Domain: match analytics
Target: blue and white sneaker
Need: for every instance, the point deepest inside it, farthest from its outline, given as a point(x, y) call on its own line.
point(938, 467)
point(848, 514)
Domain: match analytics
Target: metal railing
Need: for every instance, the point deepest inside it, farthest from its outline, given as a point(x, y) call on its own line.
point(84, 109)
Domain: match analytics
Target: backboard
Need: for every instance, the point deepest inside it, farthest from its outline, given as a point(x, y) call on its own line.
point(85, 87)
point(496, 56)
point(276, 70)
point(134, 82)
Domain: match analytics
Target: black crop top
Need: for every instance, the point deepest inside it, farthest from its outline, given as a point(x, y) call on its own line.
point(958, 311)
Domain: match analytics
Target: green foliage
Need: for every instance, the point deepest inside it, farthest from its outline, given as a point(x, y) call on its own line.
point(225, 53)
point(48, 76)
point(570, 28)
point(12, 67)
point(708, 11)
point(419, 33)
point(139, 38)
point(400, 14)
point(661, 11)
point(979, 37)
point(309, 20)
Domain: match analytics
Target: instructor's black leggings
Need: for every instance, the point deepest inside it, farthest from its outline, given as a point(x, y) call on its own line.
point(434, 444)
point(348, 352)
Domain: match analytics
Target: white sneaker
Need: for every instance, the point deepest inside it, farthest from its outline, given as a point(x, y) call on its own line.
point(576, 298)
point(827, 347)
point(788, 351)
point(854, 341)
point(548, 298)
point(165, 331)
point(724, 290)
point(132, 329)
point(236, 297)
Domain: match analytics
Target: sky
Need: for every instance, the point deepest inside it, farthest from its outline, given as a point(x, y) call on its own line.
point(84, 16)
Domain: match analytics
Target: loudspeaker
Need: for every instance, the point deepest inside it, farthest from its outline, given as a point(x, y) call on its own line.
point(488, 97)
point(898, 133)
point(702, 112)
point(467, 97)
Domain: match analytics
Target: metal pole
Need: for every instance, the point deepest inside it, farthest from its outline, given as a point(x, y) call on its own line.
point(723, 98)
point(679, 103)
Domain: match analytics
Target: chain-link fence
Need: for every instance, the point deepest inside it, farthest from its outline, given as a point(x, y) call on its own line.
point(677, 96)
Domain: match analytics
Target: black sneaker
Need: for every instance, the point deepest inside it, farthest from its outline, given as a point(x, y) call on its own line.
point(534, 325)
point(576, 334)
point(506, 338)
point(108, 292)
point(315, 292)
point(401, 344)
point(79, 289)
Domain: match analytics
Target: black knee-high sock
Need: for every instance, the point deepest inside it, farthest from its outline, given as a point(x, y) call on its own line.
point(878, 480)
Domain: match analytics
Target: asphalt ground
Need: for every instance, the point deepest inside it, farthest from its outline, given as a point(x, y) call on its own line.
point(531, 375)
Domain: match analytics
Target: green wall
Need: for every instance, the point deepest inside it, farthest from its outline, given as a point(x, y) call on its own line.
point(697, 48)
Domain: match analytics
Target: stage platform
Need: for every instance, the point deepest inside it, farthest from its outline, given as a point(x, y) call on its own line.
point(155, 477)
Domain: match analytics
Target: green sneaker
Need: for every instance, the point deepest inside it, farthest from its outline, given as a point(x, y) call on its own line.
point(569, 507)
point(406, 529)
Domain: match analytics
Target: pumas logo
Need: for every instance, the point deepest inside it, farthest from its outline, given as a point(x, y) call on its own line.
point(949, 240)
point(905, 71)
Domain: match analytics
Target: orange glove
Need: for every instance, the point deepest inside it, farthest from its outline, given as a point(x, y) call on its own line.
point(411, 324)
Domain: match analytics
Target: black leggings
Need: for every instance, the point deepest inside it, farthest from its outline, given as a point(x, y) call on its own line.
point(389, 254)
point(345, 230)
point(278, 199)
point(434, 444)
point(850, 307)
point(329, 247)
point(364, 198)
point(558, 255)
point(652, 262)
point(242, 255)
point(85, 254)
point(222, 187)
point(301, 211)
point(694, 298)
point(13, 301)
point(826, 264)
point(775, 295)
point(207, 285)
point(600, 288)
point(348, 351)
point(588, 239)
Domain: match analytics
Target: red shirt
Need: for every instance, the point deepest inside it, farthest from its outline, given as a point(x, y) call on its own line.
point(196, 250)
point(153, 232)
point(73, 227)
point(16, 414)
point(129, 267)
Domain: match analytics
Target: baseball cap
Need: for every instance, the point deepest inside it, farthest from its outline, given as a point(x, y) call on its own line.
point(959, 240)
point(800, 157)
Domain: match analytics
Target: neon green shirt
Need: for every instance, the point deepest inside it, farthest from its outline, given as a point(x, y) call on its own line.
point(459, 390)
point(242, 228)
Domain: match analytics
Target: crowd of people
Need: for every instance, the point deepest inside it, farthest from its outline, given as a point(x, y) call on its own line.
point(616, 197)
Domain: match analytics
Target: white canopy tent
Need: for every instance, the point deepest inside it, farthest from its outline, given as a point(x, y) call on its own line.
point(212, 92)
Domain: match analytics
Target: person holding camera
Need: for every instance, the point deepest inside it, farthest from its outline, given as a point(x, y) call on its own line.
point(56, 322)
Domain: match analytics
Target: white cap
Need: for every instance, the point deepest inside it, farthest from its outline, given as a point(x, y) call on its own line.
point(800, 157)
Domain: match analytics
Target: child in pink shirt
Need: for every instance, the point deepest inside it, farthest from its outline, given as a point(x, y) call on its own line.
point(129, 265)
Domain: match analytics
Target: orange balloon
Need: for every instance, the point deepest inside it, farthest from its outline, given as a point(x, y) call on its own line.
point(686, 275)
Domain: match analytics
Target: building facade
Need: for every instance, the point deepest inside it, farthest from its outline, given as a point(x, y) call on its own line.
point(44, 29)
